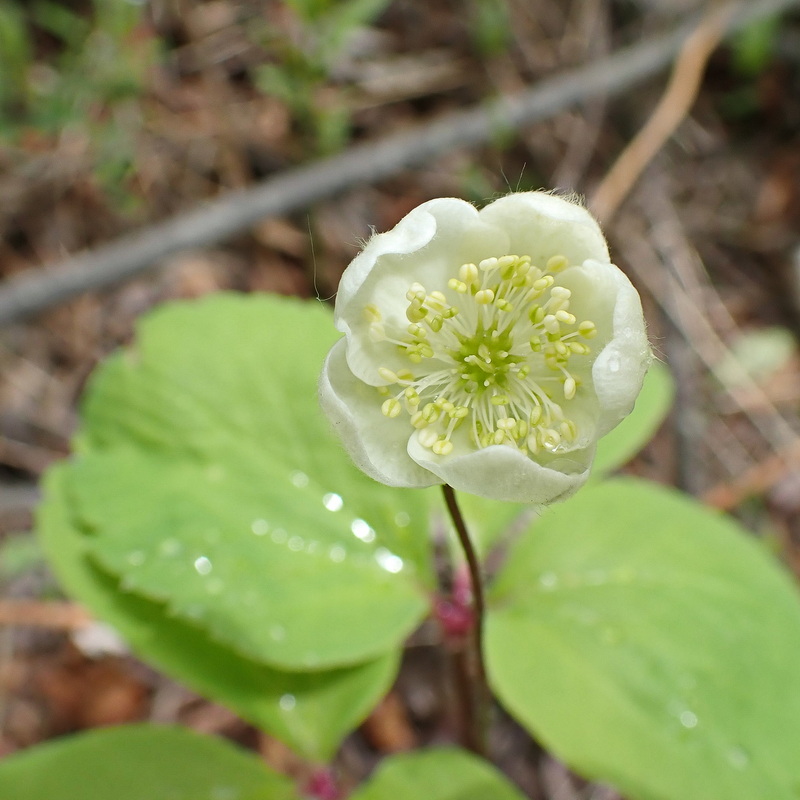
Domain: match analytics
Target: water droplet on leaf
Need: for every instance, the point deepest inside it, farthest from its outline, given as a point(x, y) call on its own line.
point(388, 560)
point(333, 502)
point(337, 553)
point(688, 719)
point(362, 530)
point(203, 565)
point(299, 479)
point(287, 702)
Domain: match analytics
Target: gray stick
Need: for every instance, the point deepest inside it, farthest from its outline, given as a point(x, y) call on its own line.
point(33, 291)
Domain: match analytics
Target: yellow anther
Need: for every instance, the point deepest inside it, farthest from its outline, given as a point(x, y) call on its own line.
point(580, 349)
point(484, 296)
point(442, 447)
point(391, 408)
point(536, 416)
point(500, 400)
point(533, 443)
point(377, 333)
point(459, 412)
point(587, 329)
point(416, 330)
point(436, 322)
point(569, 430)
point(507, 424)
point(570, 387)
point(557, 263)
point(565, 317)
point(457, 286)
point(504, 305)
point(437, 301)
point(416, 292)
point(430, 413)
point(498, 437)
point(412, 397)
point(388, 375)
point(551, 324)
point(418, 420)
point(468, 273)
point(487, 264)
point(416, 312)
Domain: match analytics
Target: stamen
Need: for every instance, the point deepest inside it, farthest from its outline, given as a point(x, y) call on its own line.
point(497, 360)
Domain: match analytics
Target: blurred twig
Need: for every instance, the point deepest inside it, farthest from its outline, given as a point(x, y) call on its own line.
point(60, 616)
point(31, 292)
point(672, 108)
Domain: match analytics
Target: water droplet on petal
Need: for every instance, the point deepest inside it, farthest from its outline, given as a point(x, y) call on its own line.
point(333, 502)
point(299, 479)
point(688, 719)
point(296, 544)
point(260, 527)
point(202, 565)
point(402, 520)
point(287, 702)
point(613, 364)
point(388, 560)
point(362, 530)
point(136, 558)
point(337, 553)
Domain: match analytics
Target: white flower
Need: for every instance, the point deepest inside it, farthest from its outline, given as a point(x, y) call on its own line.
point(484, 349)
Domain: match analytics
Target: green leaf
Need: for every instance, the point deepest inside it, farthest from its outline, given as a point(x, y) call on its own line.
point(309, 711)
point(443, 774)
point(139, 762)
point(650, 644)
point(636, 430)
point(209, 481)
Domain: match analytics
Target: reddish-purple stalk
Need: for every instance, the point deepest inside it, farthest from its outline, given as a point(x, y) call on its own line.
point(471, 671)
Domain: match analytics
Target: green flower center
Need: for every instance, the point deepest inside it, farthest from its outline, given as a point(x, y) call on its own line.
point(495, 362)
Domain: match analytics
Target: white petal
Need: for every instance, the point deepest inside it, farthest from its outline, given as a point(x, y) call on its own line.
point(377, 445)
point(618, 371)
point(500, 472)
point(428, 245)
point(542, 225)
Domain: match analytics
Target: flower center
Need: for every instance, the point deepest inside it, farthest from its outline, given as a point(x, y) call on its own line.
point(495, 362)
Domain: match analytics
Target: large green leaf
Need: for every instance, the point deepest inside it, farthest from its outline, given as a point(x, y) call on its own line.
point(139, 762)
point(310, 711)
point(443, 774)
point(209, 481)
point(649, 643)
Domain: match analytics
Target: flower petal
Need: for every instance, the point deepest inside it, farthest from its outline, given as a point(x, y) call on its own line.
point(377, 445)
point(500, 472)
point(428, 246)
point(542, 225)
